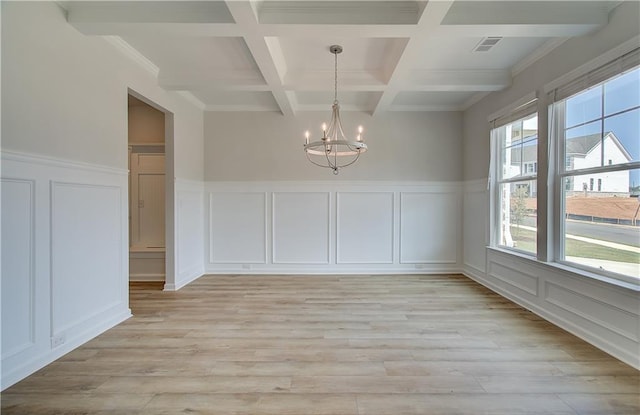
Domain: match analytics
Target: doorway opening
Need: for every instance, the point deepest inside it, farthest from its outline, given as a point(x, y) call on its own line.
point(148, 215)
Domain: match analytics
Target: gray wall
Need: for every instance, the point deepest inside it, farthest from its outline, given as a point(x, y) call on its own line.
point(268, 146)
point(623, 25)
point(64, 94)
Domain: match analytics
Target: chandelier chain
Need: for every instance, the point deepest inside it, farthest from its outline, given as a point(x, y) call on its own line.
point(335, 78)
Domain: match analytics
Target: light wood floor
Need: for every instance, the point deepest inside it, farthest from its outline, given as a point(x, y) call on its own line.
point(329, 345)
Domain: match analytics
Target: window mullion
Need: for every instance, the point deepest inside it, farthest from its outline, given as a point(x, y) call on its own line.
point(601, 169)
point(542, 194)
point(602, 124)
point(558, 136)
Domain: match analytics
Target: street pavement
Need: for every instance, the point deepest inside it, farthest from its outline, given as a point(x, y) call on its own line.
point(627, 235)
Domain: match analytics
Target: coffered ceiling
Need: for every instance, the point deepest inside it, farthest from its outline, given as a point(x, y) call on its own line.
point(398, 55)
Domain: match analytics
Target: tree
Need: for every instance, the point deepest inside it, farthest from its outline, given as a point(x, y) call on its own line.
point(519, 207)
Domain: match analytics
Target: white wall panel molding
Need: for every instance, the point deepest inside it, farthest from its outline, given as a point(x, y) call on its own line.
point(68, 227)
point(301, 227)
point(189, 232)
point(86, 242)
point(429, 231)
point(512, 275)
point(616, 319)
point(358, 232)
point(475, 215)
point(603, 314)
point(365, 227)
point(237, 231)
point(18, 266)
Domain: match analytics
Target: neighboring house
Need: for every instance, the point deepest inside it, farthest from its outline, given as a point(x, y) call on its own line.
point(586, 151)
point(581, 152)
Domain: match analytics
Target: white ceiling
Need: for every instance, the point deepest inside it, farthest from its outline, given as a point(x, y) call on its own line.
point(398, 55)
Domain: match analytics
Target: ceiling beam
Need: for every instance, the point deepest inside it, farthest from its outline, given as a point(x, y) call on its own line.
point(229, 80)
point(515, 30)
point(458, 80)
point(187, 18)
point(338, 30)
point(344, 12)
point(323, 80)
point(431, 17)
point(527, 13)
point(148, 12)
point(157, 29)
point(245, 17)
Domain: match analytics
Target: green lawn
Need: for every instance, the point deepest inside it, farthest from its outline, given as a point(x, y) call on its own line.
point(526, 241)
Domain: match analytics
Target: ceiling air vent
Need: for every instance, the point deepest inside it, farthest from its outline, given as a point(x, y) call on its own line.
point(486, 44)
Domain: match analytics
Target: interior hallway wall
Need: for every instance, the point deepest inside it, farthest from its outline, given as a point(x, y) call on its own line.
point(64, 185)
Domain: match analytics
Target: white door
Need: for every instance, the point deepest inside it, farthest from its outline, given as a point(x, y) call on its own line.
point(147, 200)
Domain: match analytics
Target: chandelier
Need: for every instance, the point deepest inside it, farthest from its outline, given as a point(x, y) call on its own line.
point(333, 150)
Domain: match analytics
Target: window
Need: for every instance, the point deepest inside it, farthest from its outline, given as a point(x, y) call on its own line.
point(598, 141)
point(531, 167)
point(516, 155)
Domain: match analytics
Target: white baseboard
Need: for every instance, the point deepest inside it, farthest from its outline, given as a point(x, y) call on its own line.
point(590, 337)
point(146, 277)
point(185, 279)
point(26, 369)
point(328, 270)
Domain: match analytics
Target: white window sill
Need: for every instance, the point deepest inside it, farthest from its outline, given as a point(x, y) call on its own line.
point(569, 268)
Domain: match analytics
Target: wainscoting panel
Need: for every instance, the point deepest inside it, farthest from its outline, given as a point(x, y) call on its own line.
point(365, 228)
point(429, 227)
point(514, 277)
point(190, 226)
point(475, 211)
point(65, 258)
point(18, 273)
point(603, 314)
point(85, 252)
point(593, 307)
point(333, 227)
point(238, 224)
point(301, 227)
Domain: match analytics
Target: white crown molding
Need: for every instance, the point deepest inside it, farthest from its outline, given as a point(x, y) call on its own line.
point(192, 99)
point(133, 54)
point(473, 100)
point(513, 106)
point(537, 54)
point(424, 108)
point(240, 108)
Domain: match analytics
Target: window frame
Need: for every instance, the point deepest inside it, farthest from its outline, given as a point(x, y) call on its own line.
point(525, 111)
point(552, 161)
point(561, 172)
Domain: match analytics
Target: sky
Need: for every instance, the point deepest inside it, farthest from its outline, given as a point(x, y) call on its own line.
point(621, 110)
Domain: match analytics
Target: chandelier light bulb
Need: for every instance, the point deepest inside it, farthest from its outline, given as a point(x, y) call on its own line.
point(306, 137)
